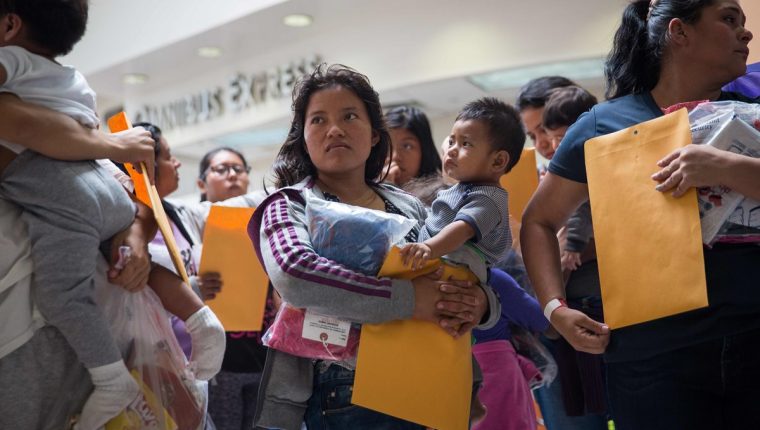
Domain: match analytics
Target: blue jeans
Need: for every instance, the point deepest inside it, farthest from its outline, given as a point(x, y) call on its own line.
point(330, 407)
point(712, 385)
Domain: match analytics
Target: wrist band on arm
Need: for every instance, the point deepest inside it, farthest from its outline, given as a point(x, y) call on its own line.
point(552, 306)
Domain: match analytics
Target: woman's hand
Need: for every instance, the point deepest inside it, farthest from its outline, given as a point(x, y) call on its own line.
point(427, 293)
point(134, 275)
point(210, 284)
point(456, 306)
point(582, 332)
point(394, 175)
point(462, 306)
point(691, 166)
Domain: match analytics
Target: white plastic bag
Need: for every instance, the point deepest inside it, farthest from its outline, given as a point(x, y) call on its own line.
point(355, 237)
point(171, 397)
point(527, 345)
point(730, 126)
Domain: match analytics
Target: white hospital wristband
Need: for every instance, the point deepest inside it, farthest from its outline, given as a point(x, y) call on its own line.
point(552, 306)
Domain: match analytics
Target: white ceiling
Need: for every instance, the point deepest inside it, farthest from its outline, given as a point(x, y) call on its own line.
point(418, 48)
point(421, 51)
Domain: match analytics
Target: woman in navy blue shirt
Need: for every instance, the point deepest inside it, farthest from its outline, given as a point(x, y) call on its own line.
point(697, 369)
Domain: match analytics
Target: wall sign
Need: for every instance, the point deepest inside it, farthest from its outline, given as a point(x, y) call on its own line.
point(242, 92)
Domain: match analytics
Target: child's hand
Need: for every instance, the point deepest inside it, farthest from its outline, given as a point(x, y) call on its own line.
point(570, 260)
point(210, 285)
point(415, 255)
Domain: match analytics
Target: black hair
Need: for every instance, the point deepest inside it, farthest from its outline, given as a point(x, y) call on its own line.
point(535, 93)
point(416, 122)
point(293, 163)
point(425, 188)
point(633, 64)
point(155, 134)
point(565, 105)
point(206, 163)
point(55, 25)
point(504, 125)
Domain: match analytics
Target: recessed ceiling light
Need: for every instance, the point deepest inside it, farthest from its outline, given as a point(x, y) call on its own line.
point(134, 78)
point(209, 52)
point(297, 20)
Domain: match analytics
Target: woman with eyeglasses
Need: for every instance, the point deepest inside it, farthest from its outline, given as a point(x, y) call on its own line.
point(223, 174)
point(223, 179)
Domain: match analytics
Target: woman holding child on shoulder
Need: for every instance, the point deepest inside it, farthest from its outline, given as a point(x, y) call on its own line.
point(665, 52)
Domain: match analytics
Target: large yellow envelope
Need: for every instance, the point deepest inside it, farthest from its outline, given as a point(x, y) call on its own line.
point(412, 369)
point(227, 249)
point(147, 193)
point(521, 182)
point(648, 244)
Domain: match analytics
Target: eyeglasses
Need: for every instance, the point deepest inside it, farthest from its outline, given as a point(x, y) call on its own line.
point(224, 169)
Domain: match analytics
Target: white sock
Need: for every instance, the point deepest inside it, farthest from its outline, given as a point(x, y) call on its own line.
point(208, 340)
point(114, 390)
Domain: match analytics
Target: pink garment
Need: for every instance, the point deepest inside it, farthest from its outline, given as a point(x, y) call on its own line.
point(505, 389)
point(688, 105)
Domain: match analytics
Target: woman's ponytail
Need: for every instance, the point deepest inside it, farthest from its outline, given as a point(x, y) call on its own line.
point(628, 68)
point(633, 66)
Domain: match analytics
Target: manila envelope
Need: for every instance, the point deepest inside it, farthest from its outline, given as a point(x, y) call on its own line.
point(227, 249)
point(413, 370)
point(120, 122)
point(648, 243)
point(147, 193)
point(521, 182)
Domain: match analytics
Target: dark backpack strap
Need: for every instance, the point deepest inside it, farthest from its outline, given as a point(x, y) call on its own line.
point(171, 213)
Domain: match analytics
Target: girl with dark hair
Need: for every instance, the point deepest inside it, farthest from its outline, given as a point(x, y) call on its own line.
point(294, 164)
point(696, 370)
point(414, 153)
point(336, 151)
